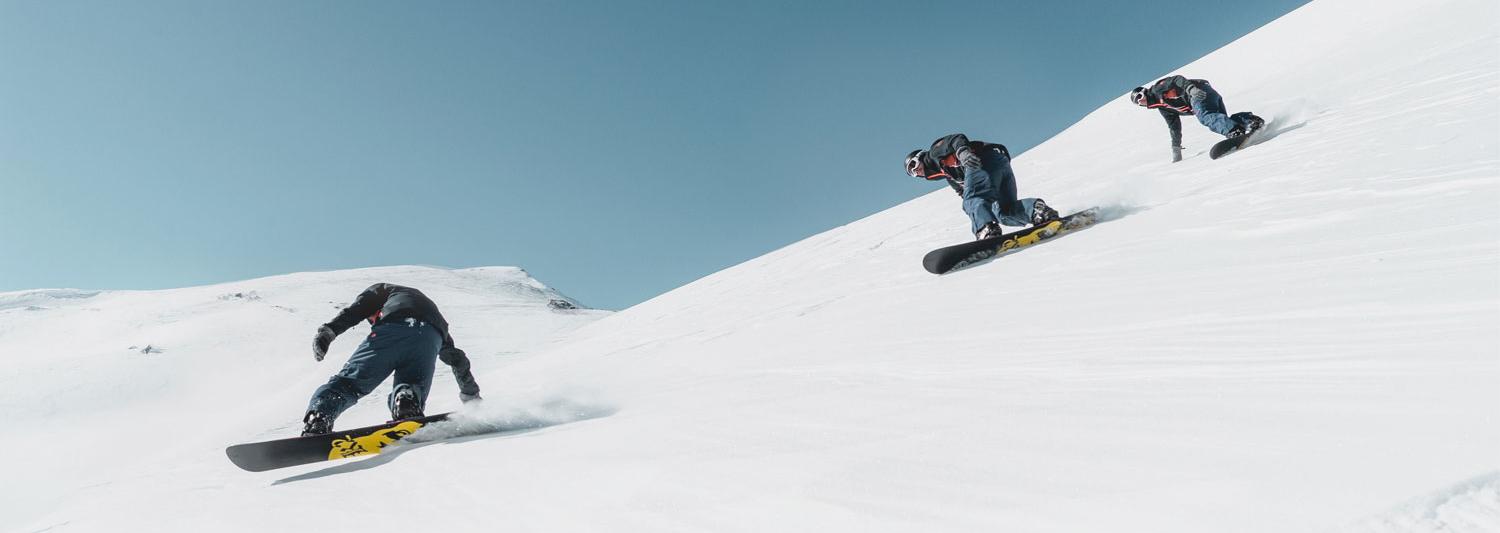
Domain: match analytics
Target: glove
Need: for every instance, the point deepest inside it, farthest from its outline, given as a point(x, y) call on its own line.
point(1176, 154)
point(468, 389)
point(321, 341)
point(969, 159)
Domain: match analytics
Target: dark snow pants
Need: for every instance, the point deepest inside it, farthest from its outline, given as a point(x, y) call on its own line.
point(408, 348)
point(1209, 108)
point(990, 196)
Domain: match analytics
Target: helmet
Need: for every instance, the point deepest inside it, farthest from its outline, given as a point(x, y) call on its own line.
point(1138, 95)
point(915, 167)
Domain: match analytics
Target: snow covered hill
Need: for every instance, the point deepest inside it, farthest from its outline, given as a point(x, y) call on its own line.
point(103, 384)
point(1299, 337)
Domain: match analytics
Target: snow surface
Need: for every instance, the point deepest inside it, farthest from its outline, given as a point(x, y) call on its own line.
point(1299, 337)
point(121, 390)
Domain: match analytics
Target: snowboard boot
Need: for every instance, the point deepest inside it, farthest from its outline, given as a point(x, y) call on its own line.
point(1246, 124)
point(1254, 124)
point(990, 229)
point(1041, 213)
point(316, 423)
point(405, 404)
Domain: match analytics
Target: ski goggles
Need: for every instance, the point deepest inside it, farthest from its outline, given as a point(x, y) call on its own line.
point(914, 167)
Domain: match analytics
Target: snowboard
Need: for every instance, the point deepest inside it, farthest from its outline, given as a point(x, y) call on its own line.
point(273, 454)
point(1227, 146)
point(1234, 144)
point(950, 258)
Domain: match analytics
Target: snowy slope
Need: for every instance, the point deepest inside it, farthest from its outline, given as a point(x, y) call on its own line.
point(1299, 337)
point(97, 378)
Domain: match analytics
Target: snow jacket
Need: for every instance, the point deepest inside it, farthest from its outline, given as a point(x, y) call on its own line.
point(385, 302)
point(943, 159)
point(1169, 96)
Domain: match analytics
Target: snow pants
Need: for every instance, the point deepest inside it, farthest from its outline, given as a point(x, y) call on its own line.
point(1208, 106)
point(990, 196)
point(408, 348)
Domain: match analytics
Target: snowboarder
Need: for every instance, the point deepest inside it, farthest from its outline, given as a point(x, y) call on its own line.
point(980, 173)
point(407, 333)
point(1175, 96)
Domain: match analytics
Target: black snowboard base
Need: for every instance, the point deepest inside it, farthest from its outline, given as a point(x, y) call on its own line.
point(950, 258)
point(1235, 144)
point(1227, 146)
point(273, 454)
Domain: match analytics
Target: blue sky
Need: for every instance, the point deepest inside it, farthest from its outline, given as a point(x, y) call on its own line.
point(615, 150)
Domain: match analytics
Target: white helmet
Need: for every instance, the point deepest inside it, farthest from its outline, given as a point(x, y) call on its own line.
point(916, 166)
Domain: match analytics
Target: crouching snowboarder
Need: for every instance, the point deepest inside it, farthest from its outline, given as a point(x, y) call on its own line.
point(1175, 96)
point(980, 173)
point(407, 335)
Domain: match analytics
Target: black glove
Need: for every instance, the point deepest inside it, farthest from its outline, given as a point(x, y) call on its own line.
point(1176, 154)
point(468, 389)
point(321, 341)
point(969, 159)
